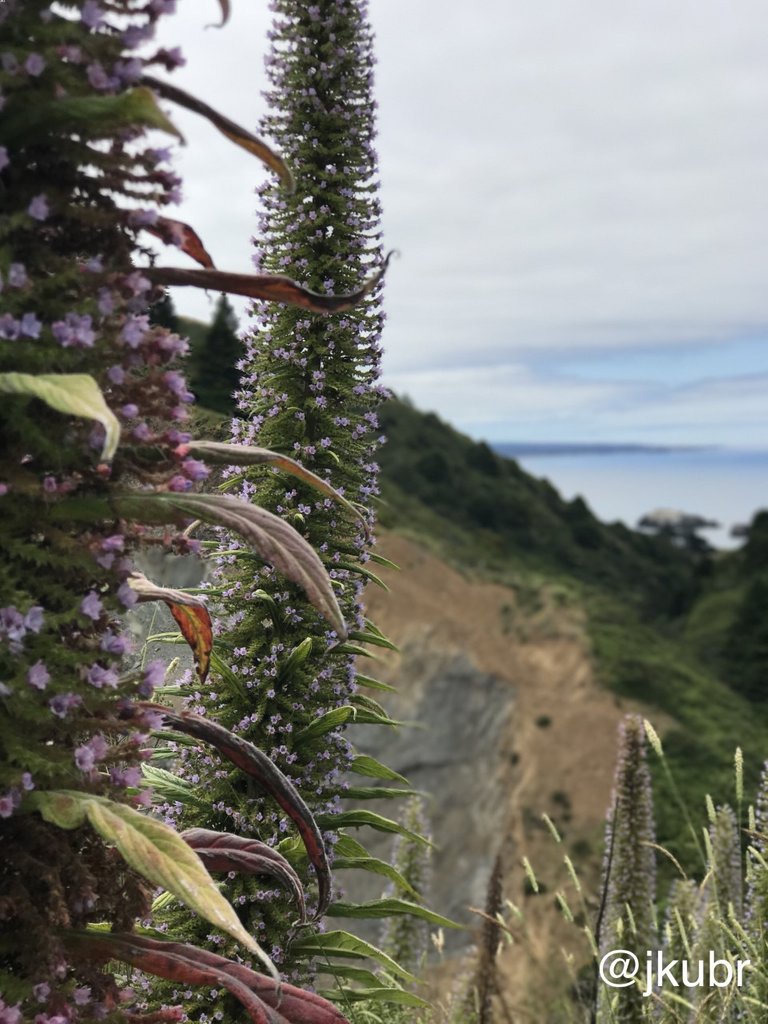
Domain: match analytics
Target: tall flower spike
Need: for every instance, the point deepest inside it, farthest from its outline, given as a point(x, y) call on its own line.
point(309, 389)
point(406, 939)
point(629, 883)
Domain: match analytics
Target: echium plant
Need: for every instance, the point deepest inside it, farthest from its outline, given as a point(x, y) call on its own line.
point(627, 916)
point(310, 390)
point(90, 428)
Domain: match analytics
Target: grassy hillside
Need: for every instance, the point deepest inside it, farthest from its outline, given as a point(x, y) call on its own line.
point(686, 633)
point(679, 631)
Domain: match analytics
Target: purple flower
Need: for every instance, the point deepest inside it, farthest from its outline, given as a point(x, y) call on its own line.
point(126, 776)
point(113, 644)
point(89, 753)
point(9, 327)
point(130, 411)
point(127, 595)
point(38, 676)
point(6, 810)
point(38, 209)
point(17, 275)
point(115, 542)
point(84, 758)
point(27, 783)
point(82, 995)
point(49, 485)
point(134, 330)
point(74, 330)
point(91, 14)
point(11, 624)
point(33, 620)
point(41, 991)
point(195, 469)
point(174, 381)
point(100, 677)
point(105, 305)
point(4, 159)
point(34, 65)
point(91, 606)
point(137, 284)
point(154, 674)
point(116, 374)
point(63, 703)
point(179, 483)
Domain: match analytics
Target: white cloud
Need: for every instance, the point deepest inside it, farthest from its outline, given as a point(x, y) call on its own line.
point(559, 177)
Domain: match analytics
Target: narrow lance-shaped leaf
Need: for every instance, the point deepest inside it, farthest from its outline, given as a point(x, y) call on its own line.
point(190, 613)
point(258, 766)
point(222, 851)
point(271, 537)
point(265, 1000)
point(234, 132)
point(270, 287)
point(388, 906)
point(76, 394)
point(344, 944)
point(153, 849)
point(101, 116)
point(243, 455)
point(184, 237)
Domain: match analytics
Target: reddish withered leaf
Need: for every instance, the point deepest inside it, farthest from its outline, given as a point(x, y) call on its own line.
point(265, 1001)
point(222, 851)
point(233, 131)
point(184, 237)
point(190, 614)
point(255, 763)
point(195, 626)
point(271, 287)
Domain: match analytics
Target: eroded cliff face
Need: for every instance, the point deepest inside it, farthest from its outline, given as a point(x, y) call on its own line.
point(507, 723)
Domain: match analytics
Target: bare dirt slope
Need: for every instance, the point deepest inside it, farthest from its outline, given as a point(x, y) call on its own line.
point(510, 723)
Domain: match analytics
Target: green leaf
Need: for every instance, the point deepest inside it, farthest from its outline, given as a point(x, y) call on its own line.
point(348, 846)
point(91, 116)
point(377, 867)
point(373, 684)
point(344, 944)
point(151, 848)
point(387, 907)
point(369, 637)
point(234, 682)
point(363, 571)
point(350, 973)
point(380, 994)
point(373, 769)
point(171, 787)
point(358, 818)
point(381, 560)
point(76, 394)
point(375, 793)
point(325, 723)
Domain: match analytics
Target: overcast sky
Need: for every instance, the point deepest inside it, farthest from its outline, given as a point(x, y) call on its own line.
point(580, 195)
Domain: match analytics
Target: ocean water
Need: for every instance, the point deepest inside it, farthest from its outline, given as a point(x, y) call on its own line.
point(727, 485)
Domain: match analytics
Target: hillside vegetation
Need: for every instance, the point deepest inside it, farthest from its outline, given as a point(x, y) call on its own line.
point(678, 630)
